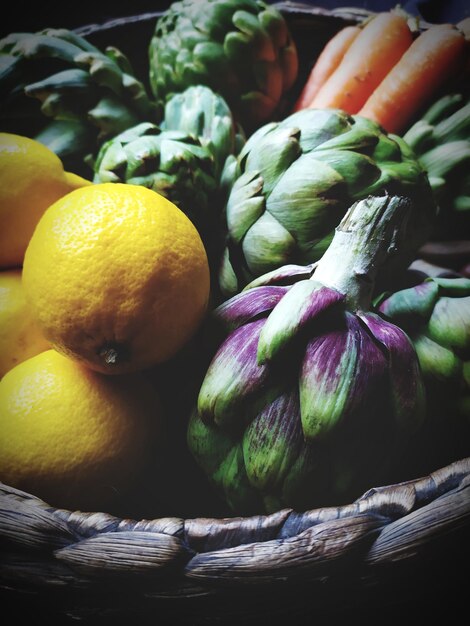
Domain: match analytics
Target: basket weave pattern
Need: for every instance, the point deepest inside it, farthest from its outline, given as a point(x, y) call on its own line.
point(384, 525)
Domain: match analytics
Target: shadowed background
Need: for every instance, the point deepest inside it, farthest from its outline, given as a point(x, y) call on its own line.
point(26, 16)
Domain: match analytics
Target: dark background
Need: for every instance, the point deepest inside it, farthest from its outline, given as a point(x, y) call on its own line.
point(27, 16)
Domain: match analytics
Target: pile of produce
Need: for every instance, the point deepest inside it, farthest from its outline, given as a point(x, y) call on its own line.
point(67, 93)
point(212, 272)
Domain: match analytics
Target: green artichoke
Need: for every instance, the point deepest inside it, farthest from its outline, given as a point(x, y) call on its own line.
point(295, 180)
point(240, 48)
point(67, 94)
point(203, 113)
point(190, 159)
point(172, 163)
point(436, 315)
point(435, 312)
point(441, 141)
point(310, 396)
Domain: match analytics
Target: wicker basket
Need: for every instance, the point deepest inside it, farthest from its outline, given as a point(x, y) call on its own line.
point(393, 553)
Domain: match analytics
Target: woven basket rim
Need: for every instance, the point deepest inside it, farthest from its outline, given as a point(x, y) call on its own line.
point(288, 8)
point(386, 524)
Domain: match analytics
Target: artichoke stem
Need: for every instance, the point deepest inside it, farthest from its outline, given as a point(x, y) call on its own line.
point(366, 236)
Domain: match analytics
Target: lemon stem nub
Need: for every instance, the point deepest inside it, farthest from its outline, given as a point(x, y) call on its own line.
point(112, 354)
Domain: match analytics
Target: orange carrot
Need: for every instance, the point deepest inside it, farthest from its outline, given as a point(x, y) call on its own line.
point(326, 63)
point(435, 56)
point(377, 48)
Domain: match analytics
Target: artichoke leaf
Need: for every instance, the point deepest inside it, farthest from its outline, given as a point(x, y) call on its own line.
point(111, 163)
point(232, 477)
point(315, 206)
point(138, 98)
point(286, 274)
point(304, 301)
point(238, 48)
point(198, 111)
point(267, 244)
point(55, 105)
point(228, 280)
point(72, 79)
point(343, 372)
point(217, 19)
point(30, 45)
point(235, 386)
point(173, 153)
point(209, 56)
point(398, 175)
point(260, 133)
point(443, 107)
point(102, 69)
point(272, 442)
point(210, 444)
point(326, 378)
point(357, 170)
point(121, 61)
point(419, 136)
point(453, 127)
point(10, 69)
point(144, 128)
point(411, 306)
point(314, 127)
point(228, 174)
point(406, 383)
point(449, 324)
point(241, 217)
point(190, 73)
point(257, 38)
point(71, 37)
point(307, 469)
point(275, 26)
point(390, 150)
point(144, 153)
point(111, 116)
point(354, 139)
point(457, 286)
point(161, 183)
point(246, 186)
point(246, 306)
point(276, 152)
point(437, 362)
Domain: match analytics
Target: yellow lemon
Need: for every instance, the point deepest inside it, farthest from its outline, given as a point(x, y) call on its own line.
point(20, 337)
point(74, 437)
point(117, 277)
point(31, 178)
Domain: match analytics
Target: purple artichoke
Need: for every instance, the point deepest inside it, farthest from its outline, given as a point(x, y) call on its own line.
point(310, 395)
